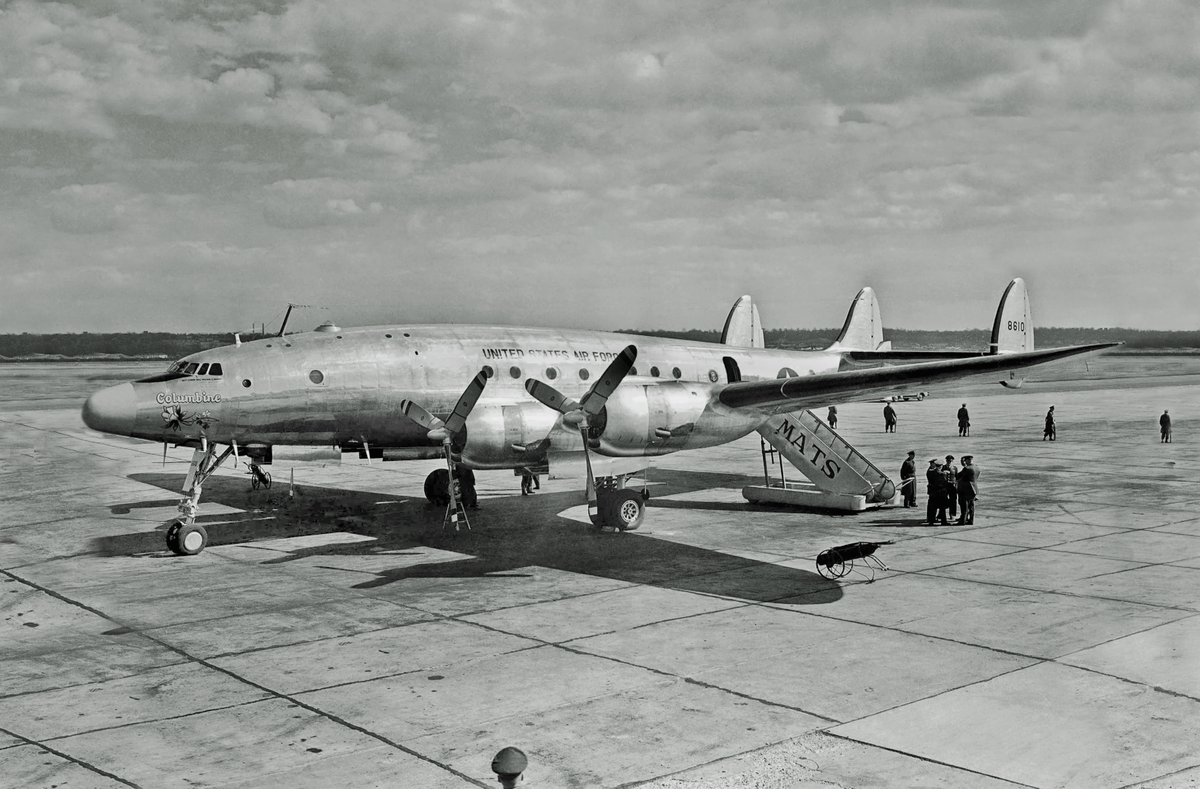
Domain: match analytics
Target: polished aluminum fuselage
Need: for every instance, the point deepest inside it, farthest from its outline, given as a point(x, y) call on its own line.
point(345, 387)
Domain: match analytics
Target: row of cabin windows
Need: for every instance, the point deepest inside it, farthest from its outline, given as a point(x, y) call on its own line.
point(196, 368)
point(552, 372)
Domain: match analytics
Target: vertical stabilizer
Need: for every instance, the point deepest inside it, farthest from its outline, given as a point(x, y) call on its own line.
point(743, 327)
point(1013, 330)
point(863, 330)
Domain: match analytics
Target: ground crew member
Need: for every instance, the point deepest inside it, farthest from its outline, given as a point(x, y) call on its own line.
point(968, 491)
point(832, 418)
point(964, 421)
point(908, 480)
point(950, 474)
point(936, 509)
point(1051, 430)
point(889, 418)
point(1164, 426)
point(466, 486)
point(529, 481)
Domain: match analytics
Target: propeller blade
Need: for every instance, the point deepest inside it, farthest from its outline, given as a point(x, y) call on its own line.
point(550, 397)
point(608, 381)
point(466, 402)
point(419, 415)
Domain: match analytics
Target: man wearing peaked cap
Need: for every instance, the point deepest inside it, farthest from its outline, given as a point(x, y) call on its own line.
point(908, 480)
point(935, 510)
point(968, 490)
point(950, 473)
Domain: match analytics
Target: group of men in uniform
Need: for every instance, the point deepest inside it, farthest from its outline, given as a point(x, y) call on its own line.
point(952, 491)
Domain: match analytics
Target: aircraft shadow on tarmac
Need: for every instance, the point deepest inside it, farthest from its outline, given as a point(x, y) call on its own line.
point(508, 534)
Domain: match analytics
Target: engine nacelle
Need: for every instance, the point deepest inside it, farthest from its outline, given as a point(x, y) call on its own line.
point(651, 419)
point(505, 436)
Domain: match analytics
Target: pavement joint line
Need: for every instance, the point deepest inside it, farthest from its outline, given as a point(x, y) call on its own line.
point(274, 693)
point(919, 757)
point(739, 755)
point(69, 758)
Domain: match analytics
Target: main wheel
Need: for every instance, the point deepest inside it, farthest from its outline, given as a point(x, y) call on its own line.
point(186, 539)
point(623, 509)
point(437, 487)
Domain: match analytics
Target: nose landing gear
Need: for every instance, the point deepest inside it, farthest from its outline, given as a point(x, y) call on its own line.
point(185, 537)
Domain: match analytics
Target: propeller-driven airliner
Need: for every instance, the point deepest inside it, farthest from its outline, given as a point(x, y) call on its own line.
point(496, 397)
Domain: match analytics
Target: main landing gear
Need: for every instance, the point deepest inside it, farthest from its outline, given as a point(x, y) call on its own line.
point(185, 537)
point(616, 506)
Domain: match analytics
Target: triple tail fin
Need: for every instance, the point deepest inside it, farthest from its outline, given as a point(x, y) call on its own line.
point(743, 327)
point(863, 330)
point(1012, 331)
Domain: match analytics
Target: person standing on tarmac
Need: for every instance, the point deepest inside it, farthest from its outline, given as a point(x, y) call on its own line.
point(1164, 427)
point(968, 491)
point(1051, 431)
point(832, 418)
point(889, 418)
point(950, 474)
point(964, 421)
point(935, 511)
point(908, 479)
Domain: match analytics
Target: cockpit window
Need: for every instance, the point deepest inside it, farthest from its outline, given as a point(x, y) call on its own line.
point(203, 369)
point(191, 368)
point(215, 369)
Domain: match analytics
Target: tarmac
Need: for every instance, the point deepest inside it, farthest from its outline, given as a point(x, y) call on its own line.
point(333, 635)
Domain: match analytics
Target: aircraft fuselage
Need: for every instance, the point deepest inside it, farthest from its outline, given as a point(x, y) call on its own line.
point(345, 387)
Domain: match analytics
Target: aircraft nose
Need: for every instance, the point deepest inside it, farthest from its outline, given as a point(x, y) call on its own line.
point(111, 410)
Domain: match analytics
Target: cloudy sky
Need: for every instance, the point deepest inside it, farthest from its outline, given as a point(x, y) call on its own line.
point(197, 164)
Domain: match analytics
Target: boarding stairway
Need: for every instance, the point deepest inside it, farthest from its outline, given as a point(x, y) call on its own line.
point(839, 476)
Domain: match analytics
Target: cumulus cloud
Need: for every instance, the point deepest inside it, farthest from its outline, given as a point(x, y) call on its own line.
point(293, 205)
point(91, 208)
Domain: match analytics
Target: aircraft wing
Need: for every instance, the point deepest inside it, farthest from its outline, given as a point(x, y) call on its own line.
point(787, 394)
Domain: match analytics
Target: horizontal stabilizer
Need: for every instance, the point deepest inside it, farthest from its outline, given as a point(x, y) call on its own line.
point(743, 327)
point(863, 329)
point(1012, 331)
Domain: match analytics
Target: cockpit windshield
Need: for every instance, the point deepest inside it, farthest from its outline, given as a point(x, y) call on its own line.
point(184, 369)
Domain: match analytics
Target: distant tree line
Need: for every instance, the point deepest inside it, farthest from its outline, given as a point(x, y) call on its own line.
point(142, 345)
point(173, 346)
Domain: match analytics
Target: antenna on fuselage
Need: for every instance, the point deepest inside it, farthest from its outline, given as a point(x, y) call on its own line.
point(288, 314)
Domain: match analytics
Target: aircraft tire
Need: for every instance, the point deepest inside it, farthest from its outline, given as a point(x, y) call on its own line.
point(623, 509)
point(437, 487)
point(186, 539)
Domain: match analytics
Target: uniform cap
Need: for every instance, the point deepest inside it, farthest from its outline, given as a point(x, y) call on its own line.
point(935, 462)
point(968, 457)
point(912, 452)
point(510, 761)
point(949, 457)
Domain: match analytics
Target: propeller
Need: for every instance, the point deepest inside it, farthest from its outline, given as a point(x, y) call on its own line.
point(446, 431)
point(577, 413)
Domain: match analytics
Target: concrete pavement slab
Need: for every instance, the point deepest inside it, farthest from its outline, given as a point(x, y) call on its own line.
point(1136, 546)
point(1046, 726)
point(156, 694)
point(336, 661)
point(473, 694)
point(1165, 585)
point(562, 621)
point(33, 766)
point(1045, 570)
point(1161, 658)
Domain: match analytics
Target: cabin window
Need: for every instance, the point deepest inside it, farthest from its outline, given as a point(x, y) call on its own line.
point(515, 372)
point(317, 377)
point(712, 376)
point(633, 371)
point(654, 371)
point(246, 382)
point(488, 371)
point(584, 374)
point(388, 336)
point(551, 373)
point(215, 369)
point(676, 372)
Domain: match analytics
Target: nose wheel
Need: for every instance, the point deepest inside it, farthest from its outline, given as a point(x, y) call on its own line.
point(186, 539)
